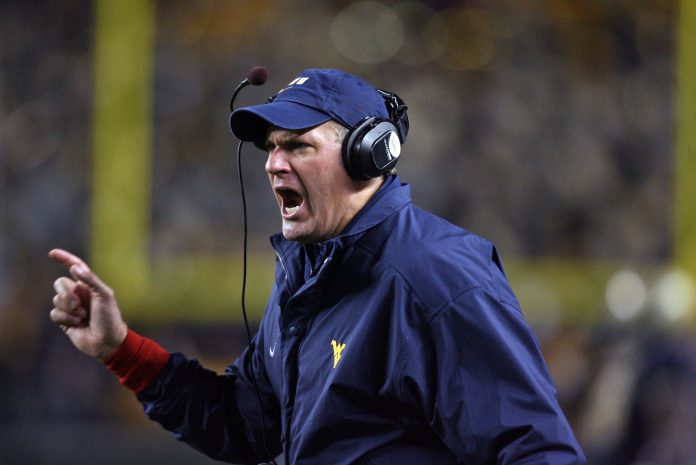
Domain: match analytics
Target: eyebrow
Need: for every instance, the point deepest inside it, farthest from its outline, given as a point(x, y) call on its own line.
point(284, 139)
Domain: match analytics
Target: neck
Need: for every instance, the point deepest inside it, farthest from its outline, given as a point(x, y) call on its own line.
point(360, 198)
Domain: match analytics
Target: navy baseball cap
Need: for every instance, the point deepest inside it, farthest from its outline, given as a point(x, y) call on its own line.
point(312, 98)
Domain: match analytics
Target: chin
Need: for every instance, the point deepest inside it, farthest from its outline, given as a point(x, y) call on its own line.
point(295, 232)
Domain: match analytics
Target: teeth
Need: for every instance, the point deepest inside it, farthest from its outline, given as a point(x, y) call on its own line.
point(292, 210)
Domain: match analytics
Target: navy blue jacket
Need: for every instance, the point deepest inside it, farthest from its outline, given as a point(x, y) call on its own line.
point(397, 342)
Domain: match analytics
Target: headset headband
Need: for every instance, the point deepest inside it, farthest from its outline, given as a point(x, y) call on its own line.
point(397, 112)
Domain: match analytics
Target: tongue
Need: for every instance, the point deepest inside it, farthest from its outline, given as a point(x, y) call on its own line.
point(292, 201)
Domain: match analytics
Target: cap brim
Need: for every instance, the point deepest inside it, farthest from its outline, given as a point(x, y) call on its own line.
point(251, 124)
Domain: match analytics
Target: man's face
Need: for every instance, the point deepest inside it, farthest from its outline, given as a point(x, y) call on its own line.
point(317, 197)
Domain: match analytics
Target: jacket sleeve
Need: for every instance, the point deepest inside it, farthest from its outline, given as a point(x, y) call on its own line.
point(219, 415)
point(480, 379)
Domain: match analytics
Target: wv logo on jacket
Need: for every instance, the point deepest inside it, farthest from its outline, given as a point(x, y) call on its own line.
point(337, 351)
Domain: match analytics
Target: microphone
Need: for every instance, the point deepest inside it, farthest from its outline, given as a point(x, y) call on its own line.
point(256, 76)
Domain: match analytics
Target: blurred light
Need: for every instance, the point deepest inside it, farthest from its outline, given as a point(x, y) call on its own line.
point(675, 295)
point(188, 23)
point(367, 32)
point(474, 38)
point(625, 295)
point(426, 33)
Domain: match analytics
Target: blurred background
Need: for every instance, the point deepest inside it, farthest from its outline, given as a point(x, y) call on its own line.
point(558, 129)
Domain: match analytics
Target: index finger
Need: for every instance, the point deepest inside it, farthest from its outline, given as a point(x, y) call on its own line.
point(66, 258)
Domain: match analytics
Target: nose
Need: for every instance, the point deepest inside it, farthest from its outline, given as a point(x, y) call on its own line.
point(277, 161)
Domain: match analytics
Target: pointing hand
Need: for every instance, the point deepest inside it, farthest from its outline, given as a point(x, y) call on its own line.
point(86, 309)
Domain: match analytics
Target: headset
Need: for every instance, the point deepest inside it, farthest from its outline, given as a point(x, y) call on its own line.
point(372, 147)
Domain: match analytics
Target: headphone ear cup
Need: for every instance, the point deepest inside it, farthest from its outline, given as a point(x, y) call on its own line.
point(351, 149)
point(371, 149)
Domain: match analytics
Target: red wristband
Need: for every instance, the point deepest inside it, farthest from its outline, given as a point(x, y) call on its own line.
point(137, 362)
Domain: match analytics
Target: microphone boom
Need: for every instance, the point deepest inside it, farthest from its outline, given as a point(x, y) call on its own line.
point(256, 76)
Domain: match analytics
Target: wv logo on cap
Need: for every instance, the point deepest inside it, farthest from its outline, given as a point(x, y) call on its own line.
point(295, 82)
point(298, 81)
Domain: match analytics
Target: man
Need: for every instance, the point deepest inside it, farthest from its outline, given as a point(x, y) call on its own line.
point(390, 336)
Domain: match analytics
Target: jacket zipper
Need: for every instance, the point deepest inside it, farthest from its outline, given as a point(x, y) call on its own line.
point(282, 265)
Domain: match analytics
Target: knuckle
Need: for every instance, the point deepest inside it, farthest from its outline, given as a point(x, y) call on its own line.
point(55, 315)
point(57, 286)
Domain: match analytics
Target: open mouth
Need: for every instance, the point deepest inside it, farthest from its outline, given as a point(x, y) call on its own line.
point(291, 201)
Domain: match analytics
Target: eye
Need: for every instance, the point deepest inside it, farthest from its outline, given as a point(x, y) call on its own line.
point(267, 146)
point(297, 146)
point(289, 145)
